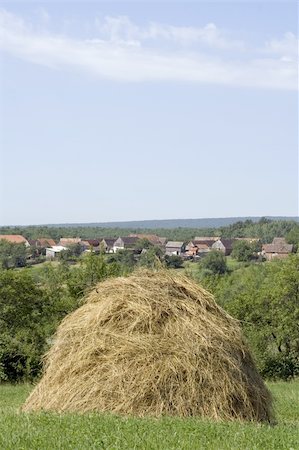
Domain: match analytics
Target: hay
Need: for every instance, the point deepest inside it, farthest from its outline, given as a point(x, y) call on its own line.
point(155, 344)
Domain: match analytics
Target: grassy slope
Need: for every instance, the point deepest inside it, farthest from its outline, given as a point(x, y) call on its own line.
point(70, 431)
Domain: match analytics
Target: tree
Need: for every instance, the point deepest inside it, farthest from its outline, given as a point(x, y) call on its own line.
point(214, 263)
point(125, 258)
point(12, 255)
point(23, 316)
point(143, 244)
point(93, 269)
point(151, 257)
point(245, 251)
point(265, 299)
point(174, 261)
point(292, 237)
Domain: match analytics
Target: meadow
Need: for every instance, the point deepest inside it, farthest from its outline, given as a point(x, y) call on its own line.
point(98, 431)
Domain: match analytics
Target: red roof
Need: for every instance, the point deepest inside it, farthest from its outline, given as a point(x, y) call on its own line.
point(14, 238)
point(46, 242)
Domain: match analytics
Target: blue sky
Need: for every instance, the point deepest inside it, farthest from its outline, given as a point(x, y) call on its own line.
point(130, 111)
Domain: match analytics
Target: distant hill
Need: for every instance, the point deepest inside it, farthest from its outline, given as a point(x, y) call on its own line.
point(173, 223)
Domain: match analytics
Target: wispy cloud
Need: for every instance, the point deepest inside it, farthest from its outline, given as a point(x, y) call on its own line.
point(286, 47)
point(121, 28)
point(123, 51)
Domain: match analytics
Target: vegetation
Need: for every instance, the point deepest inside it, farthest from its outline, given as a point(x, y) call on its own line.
point(93, 431)
point(264, 229)
point(214, 263)
point(32, 305)
point(245, 251)
point(265, 298)
point(12, 255)
point(262, 295)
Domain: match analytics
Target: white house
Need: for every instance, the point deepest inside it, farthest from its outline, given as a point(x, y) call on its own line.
point(52, 252)
point(174, 248)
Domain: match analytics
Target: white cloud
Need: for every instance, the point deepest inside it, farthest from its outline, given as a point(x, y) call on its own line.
point(121, 28)
point(123, 57)
point(286, 48)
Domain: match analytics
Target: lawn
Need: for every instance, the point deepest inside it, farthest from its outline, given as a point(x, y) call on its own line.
point(96, 431)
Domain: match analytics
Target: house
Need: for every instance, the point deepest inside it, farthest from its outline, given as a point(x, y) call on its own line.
point(204, 244)
point(53, 252)
point(249, 240)
point(126, 242)
point(206, 238)
point(174, 248)
point(107, 244)
point(42, 242)
point(278, 249)
point(91, 244)
point(66, 242)
point(152, 238)
point(199, 245)
point(14, 239)
point(224, 245)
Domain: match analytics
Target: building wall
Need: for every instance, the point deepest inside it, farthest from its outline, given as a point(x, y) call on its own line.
point(218, 246)
point(173, 251)
point(270, 256)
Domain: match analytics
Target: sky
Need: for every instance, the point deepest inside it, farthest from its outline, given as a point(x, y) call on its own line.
point(116, 111)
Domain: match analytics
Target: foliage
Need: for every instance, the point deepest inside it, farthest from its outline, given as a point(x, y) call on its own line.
point(292, 237)
point(28, 316)
point(265, 298)
point(173, 261)
point(214, 263)
point(124, 258)
point(93, 268)
point(265, 229)
point(32, 304)
point(151, 258)
point(245, 251)
point(12, 255)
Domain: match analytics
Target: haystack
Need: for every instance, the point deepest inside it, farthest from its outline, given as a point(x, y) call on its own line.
point(151, 344)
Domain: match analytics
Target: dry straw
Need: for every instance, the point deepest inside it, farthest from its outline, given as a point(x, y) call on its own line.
point(151, 344)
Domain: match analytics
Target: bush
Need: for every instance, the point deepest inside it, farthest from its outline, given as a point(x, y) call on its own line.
point(214, 263)
point(174, 261)
point(265, 299)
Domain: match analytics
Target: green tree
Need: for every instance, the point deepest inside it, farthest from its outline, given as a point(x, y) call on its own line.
point(292, 237)
point(151, 257)
point(265, 298)
point(245, 251)
point(12, 255)
point(125, 258)
point(93, 268)
point(24, 314)
point(173, 261)
point(214, 263)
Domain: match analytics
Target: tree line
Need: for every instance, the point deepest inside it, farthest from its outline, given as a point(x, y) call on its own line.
point(264, 229)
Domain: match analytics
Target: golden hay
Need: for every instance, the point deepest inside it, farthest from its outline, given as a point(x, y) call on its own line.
point(153, 343)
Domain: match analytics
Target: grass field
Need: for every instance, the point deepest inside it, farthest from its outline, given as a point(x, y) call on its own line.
point(95, 431)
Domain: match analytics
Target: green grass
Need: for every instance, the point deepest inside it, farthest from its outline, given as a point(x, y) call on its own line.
point(96, 431)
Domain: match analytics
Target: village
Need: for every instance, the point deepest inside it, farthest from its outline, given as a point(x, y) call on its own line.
point(194, 250)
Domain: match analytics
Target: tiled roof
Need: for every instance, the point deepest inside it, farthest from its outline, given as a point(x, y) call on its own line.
point(279, 245)
point(14, 238)
point(46, 242)
point(206, 238)
point(91, 242)
point(69, 241)
point(153, 238)
point(127, 240)
point(174, 244)
point(109, 241)
point(200, 242)
point(228, 243)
